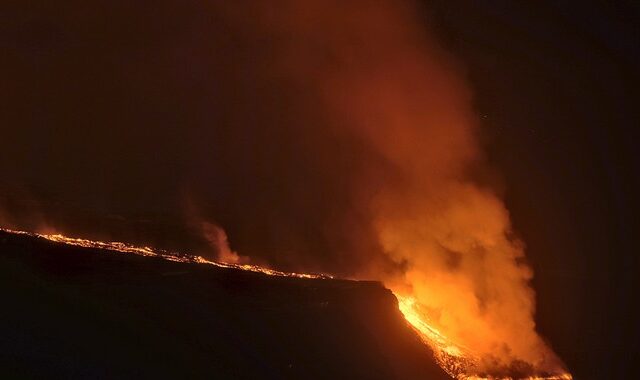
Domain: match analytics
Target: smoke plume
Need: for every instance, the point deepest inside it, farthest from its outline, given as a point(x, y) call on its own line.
point(322, 135)
point(384, 83)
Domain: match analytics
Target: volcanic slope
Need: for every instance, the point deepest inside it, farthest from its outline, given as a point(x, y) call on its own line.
point(75, 312)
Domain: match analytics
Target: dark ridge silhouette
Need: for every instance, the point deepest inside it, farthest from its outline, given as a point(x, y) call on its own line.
point(72, 312)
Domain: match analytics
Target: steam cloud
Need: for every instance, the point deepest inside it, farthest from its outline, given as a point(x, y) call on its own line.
point(322, 135)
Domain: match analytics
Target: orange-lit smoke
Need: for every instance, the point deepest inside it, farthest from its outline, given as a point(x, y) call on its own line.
point(335, 125)
point(445, 239)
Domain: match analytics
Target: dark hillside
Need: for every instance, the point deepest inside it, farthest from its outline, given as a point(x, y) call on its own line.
point(71, 312)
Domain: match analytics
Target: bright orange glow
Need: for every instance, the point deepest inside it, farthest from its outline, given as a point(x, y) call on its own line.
point(152, 252)
point(457, 360)
point(441, 233)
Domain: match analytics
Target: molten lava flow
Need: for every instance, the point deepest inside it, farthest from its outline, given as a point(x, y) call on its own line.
point(457, 360)
point(452, 357)
point(152, 252)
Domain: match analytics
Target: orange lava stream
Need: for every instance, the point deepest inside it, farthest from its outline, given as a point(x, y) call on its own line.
point(454, 358)
point(153, 252)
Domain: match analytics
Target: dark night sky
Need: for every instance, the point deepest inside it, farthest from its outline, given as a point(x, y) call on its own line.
point(105, 111)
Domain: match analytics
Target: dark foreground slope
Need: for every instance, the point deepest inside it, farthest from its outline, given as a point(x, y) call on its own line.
point(73, 312)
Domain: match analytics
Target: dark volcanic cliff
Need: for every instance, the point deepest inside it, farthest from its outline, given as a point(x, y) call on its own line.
point(73, 312)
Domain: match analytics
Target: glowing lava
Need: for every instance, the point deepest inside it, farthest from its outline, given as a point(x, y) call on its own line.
point(153, 252)
point(454, 358)
point(458, 361)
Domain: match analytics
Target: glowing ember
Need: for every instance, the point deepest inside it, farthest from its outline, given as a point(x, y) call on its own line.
point(455, 359)
point(447, 352)
point(458, 361)
point(153, 252)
